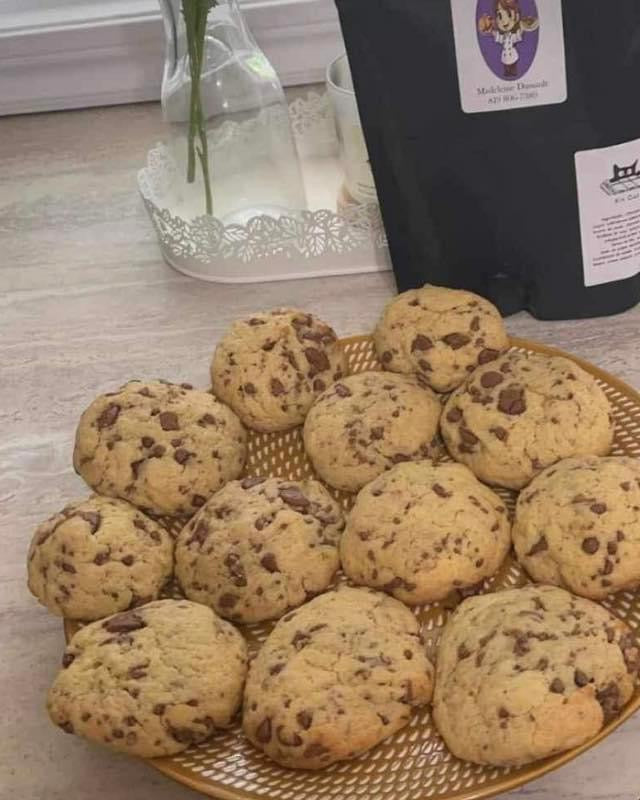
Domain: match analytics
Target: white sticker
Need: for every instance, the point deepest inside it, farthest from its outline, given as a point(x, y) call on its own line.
point(609, 201)
point(510, 53)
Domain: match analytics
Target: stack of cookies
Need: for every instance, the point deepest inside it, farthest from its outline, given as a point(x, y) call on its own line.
point(425, 446)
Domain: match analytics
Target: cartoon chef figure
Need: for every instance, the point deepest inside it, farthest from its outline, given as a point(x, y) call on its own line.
point(508, 26)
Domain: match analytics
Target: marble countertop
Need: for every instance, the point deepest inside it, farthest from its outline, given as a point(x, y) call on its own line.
point(87, 303)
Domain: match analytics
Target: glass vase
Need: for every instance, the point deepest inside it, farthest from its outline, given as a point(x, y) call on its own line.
point(249, 153)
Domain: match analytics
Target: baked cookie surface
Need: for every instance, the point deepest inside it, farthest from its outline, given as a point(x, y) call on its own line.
point(366, 423)
point(522, 413)
point(152, 681)
point(270, 367)
point(421, 530)
point(525, 673)
point(96, 557)
point(334, 678)
point(577, 525)
point(164, 447)
point(440, 333)
point(260, 547)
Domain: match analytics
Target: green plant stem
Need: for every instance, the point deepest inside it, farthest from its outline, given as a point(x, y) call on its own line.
point(195, 14)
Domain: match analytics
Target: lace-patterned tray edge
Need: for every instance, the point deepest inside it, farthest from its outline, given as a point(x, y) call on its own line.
point(306, 244)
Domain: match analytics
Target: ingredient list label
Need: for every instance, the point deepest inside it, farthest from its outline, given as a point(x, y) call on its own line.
point(608, 182)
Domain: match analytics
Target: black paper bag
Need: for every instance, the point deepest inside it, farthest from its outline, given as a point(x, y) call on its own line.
point(504, 141)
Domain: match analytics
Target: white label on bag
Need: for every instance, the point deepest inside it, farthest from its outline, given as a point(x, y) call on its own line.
point(609, 202)
point(510, 53)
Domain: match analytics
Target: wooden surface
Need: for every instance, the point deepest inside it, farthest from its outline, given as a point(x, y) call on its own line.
point(85, 304)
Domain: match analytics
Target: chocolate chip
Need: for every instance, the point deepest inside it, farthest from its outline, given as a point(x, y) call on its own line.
point(234, 565)
point(456, 340)
point(67, 727)
point(341, 390)
point(158, 451)
point(609, 699)
point(511, 401)
point(101, 558)
point(227, 600)
point(625, 486)
point(540, 546)
point(183, 735)
point(300, 640)
point(425, 366)
point(377, 432)
point(198, 500)
point(135, 467)
point(580, 678)
point(440, 490)
point(491, 379)
point(620, 536)
point(304, 719)
point(598, 508)
point(314, 750)
point(277, 387)
point(607, 569)
point(293, 497)
point(421, 343)
point(249, 483)
point(467, 436)
point(317, 359)
point(542, 664)
point(169, 421)
point(181, 455)
point(128, 560)
point(108, 416)
point(486, 355)
point(590, 545)
point(503, 713)
point(263, 731)
point(557, 686)
point(137, 672)
point(148, 441)
point(68, 659)
point(463, 652)
point(93, 518)
point(500, 433)
point(250, 388)
point(124, 623)
point(269, 562)
point(319, 385)
point(386, 357)
point(159, 709)
point(612, 548)
point(454, 415)
point(276, 669)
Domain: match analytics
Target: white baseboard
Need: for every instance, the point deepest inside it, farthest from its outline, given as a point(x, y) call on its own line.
point(77, 61)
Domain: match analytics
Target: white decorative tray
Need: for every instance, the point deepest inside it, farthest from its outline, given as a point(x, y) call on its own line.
point(329, 238)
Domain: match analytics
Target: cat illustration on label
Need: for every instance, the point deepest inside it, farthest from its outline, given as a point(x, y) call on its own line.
point(508, 32)
point(624, 179)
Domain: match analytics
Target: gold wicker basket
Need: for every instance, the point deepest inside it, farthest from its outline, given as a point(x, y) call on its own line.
point(413, 764)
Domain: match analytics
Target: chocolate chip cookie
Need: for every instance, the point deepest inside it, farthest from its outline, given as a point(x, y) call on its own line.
point(366, 423)
point(422, 530)
point(270, 367)
point(96, 557)
point(442, 334)
point(526, 673)
point(577, 525)
point(260, 547)
point(163, 447)
point(152, 681)
point(335, 678)
point(522, 413)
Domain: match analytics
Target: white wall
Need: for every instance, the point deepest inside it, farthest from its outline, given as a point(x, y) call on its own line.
point(75, 53)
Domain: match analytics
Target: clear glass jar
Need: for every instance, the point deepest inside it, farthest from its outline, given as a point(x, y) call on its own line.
point(253, 165)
